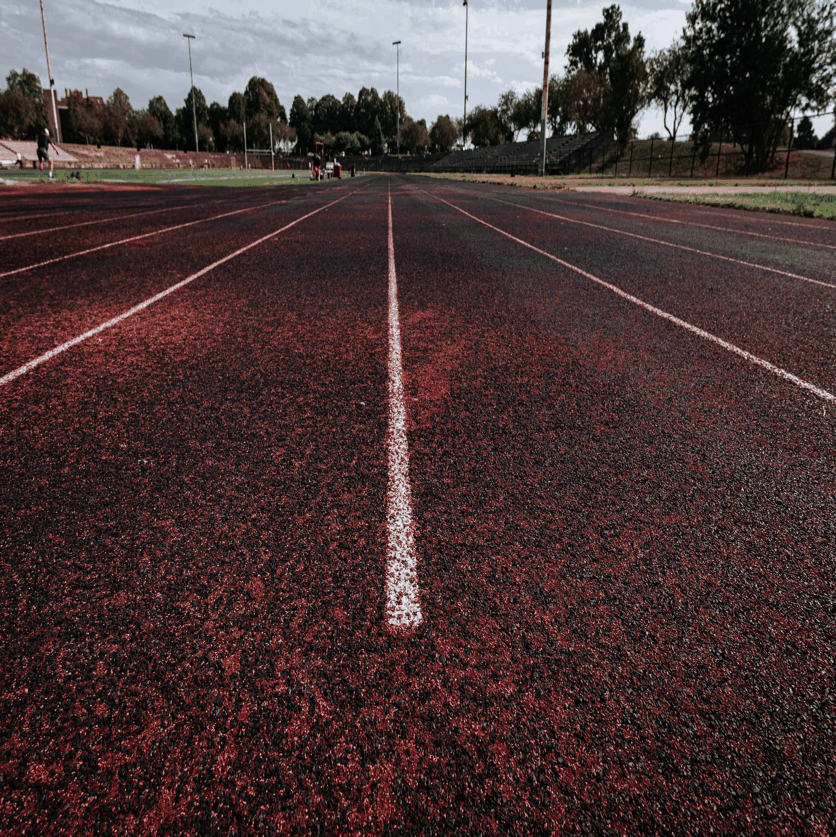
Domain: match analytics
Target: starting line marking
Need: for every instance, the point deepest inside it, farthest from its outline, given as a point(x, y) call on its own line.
point(706, 335)
point(664, 243)
point(138, 237)
point(403, 605)
point(27, 367)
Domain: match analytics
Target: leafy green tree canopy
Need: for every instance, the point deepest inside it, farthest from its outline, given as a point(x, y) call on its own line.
point(752, 62)
point(609, 53)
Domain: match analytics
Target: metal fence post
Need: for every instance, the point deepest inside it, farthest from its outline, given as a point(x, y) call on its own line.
point(630, 172)
point(789, 150)
point(650, 164)
point(719, 152)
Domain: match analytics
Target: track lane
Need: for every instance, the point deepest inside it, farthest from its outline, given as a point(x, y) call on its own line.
point(44, 308)
point(781, 320)
point(625, 549)
point(199, 551)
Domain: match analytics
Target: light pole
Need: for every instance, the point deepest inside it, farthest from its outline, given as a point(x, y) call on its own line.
point(51, 81)
point(464, 118)
point(189, 40)
point(545, 108)
point(396, 44)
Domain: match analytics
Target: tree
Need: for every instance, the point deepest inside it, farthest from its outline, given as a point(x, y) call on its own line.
point(505, 114)
point(391, 108)
point(805, 136)
point(261, 98)
point(118, 118)
point(347, 107)
point(378, 140)
point(217, 116)
point(668, 80)
point(300, 120)
point(367, 111)
point(585, 101)
point(158, 108)
point(752, 62)
point(326, 118)
point(483, 127)
point(443, 134)
point(22, 111)
point(236, 107)
point(149, 131)
point(85, 117)
point(618, 61)
point(414, 135)
point(186, 115)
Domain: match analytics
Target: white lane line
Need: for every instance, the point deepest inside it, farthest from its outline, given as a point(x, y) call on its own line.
point(764, 364)
point(90, 223)
point(28, 367)
point(137, 238)
point(665, 243)
point(651, 217)
point(403, 605)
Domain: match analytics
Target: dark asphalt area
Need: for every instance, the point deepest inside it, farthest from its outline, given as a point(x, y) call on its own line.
point(625, 532)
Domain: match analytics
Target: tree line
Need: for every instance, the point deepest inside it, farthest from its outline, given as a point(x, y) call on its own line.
point(368, 122)
point(740, 69)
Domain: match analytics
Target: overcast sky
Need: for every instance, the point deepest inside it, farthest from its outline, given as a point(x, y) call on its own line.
point(313, 47)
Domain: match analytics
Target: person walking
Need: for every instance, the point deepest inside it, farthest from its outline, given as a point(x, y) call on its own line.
point(44, 141)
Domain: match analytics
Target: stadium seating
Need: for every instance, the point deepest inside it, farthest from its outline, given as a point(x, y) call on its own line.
point(519, 157)
point(9, 149)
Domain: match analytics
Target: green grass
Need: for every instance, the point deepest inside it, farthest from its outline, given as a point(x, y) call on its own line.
point(162, 177)
point(802, 204)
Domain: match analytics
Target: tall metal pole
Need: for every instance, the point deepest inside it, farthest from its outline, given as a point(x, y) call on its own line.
point(272, 158)
point(51, 81)
point(246, 167)
point(396, 44)
point(545, 108)
point(464, 118)
point(194, 104)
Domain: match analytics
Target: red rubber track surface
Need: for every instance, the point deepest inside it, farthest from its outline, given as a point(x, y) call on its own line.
point(624, 533)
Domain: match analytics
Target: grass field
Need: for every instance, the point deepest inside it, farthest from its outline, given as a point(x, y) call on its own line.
point(162, 177)
point(802, 204)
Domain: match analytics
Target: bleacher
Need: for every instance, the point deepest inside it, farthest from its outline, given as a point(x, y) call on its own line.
point(9, 149)
point(519, 157)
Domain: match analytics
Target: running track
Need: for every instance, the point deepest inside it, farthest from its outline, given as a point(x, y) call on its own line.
point(513, 517)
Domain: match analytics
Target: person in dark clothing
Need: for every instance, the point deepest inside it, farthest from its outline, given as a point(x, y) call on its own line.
point(44, 142)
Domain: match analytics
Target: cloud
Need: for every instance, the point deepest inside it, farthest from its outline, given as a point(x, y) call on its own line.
point(434, 100)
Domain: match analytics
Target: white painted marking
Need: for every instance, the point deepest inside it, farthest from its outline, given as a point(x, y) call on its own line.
point(90, 223)
point(754, 359)
point(403, 605)
point(137, 238)
point(28, 367)
point(651, 217)
point(665, 243)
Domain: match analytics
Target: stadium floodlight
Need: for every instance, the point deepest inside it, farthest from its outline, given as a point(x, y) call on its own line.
point(189, 40)
point(545, 106)
point(51, 81)
point(464, 118)
point(397, 46)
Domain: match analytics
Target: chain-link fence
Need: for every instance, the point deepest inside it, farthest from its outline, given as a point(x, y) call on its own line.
point(729, 153)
